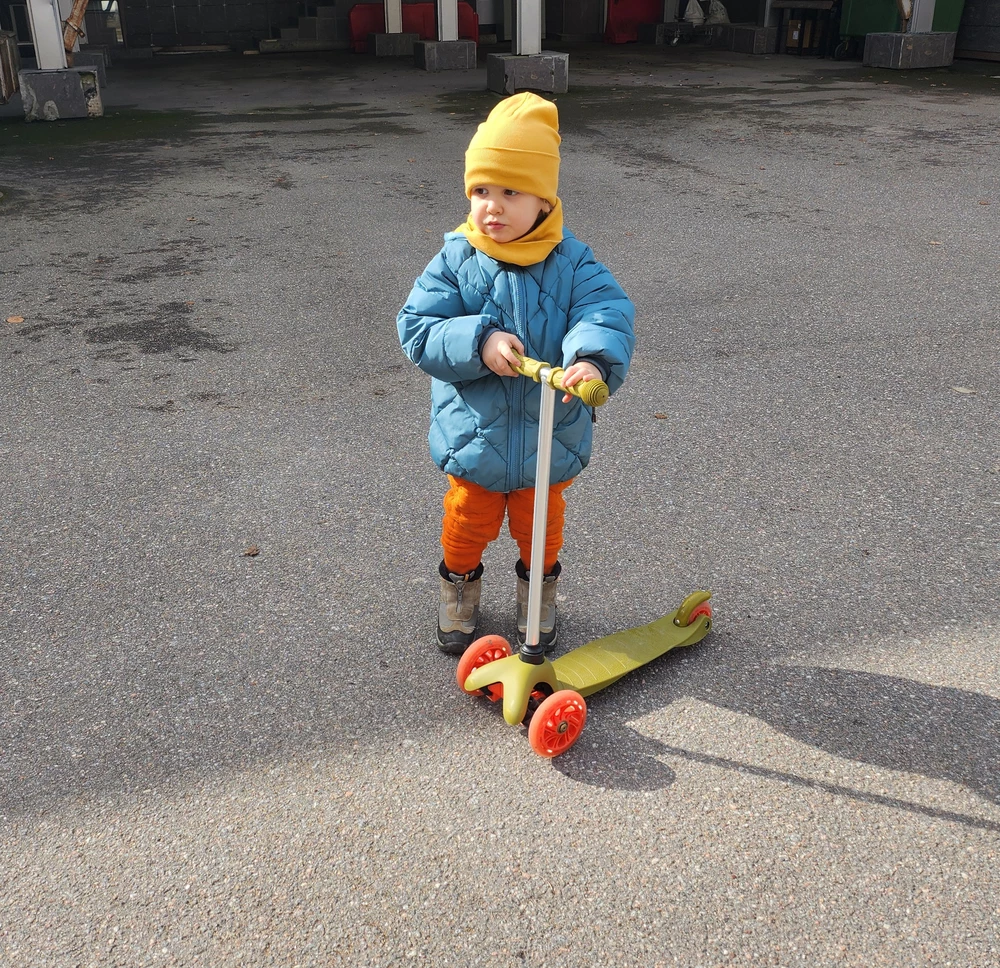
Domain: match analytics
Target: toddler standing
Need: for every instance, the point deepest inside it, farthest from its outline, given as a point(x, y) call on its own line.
point(510, 280)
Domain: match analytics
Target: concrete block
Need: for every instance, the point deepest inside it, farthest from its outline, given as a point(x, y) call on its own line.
point(392, 45)
point(745, 38)
point(96, 59)
point(289, 33)
point(664, 33)
point(899, 51)
point(330, 29)
point(72, 92)
point(99, 49)
point(292, 46)
point(444, 55)
point(510, 73)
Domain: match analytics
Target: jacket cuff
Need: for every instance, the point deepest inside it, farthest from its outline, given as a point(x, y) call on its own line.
point(602, 366)
point(486, 334)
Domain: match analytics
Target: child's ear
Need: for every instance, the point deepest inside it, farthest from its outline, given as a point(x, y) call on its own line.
point(546, 207)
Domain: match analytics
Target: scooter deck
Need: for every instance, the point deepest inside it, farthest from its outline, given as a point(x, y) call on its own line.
point(589, 668)
point(598, 664)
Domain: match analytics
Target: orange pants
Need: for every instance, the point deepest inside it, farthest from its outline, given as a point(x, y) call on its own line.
point(473, 517)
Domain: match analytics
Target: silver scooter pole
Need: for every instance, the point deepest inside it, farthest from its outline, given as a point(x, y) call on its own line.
point(594, 393)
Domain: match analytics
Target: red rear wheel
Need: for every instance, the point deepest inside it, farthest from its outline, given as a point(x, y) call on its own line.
point(489, 648)
point(703, 609)
point(557, 723)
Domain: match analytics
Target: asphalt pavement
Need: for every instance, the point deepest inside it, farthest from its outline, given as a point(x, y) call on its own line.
point(226, 736)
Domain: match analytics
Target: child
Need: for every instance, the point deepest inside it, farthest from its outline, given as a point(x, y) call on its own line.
point(509, 280)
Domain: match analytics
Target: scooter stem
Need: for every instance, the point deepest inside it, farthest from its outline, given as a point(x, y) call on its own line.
point(532, 650)
point(594, 393)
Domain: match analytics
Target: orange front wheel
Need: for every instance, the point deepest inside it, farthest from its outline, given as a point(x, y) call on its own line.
point(557, 723)
point(488, 648)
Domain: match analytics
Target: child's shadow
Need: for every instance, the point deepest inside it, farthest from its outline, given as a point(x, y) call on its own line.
point(891, 723)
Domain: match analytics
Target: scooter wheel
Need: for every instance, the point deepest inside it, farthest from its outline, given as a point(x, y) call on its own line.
point(693, 605)
point(557, 723)
point(703, 609)
point(486, 649)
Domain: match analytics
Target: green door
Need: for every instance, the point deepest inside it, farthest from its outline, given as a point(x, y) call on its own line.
point(861, 17)
point(948, 15)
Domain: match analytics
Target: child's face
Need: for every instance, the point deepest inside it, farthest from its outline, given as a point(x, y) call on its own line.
point(503, 214)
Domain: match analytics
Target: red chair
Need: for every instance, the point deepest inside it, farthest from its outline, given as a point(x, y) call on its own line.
point(468, 23)
point(364, 19)
point(418, 18)
point(624, 17)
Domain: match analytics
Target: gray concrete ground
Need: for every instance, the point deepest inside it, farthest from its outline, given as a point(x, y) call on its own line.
point(214, 757)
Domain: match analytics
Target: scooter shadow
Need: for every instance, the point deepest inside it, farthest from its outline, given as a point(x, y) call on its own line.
point(887, 722)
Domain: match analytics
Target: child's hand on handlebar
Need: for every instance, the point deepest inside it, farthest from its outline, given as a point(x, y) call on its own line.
point(499, 353)
point(579, 372)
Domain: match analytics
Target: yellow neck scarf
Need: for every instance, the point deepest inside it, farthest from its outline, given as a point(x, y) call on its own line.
point(525, 251)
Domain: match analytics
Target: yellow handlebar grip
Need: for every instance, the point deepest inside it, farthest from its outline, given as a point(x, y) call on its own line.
point(594, 393)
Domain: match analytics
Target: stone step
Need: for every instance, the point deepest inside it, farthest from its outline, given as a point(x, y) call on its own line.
point(288, 46)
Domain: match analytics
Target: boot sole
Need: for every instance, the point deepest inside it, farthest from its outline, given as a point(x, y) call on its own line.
point(453, 648)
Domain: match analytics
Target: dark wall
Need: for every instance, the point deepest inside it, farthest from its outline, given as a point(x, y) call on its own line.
point(979, 33)
point(173, 23)
point(744, 11)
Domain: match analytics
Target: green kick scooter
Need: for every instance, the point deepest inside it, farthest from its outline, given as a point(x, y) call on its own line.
point(550, 695)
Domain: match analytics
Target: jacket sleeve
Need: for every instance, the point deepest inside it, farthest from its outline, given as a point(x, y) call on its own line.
point(602, 321)
point(435, 330)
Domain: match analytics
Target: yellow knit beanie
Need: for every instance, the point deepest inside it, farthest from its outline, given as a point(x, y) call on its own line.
point(517, 147)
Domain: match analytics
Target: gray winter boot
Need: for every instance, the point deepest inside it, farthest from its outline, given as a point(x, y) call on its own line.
point(547, 624)
point(458, 614)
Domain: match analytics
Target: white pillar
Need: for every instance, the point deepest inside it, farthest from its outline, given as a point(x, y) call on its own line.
point(447, 19)
point(47, 34)
point(527, 37)
point(393, 16)
point(922, 19)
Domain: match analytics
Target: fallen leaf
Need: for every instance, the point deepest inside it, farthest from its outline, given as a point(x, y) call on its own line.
point(660, 416)
point(934, 243)
point(984, 203)
point(963, 390)
point(251, 552)
point(15, 319)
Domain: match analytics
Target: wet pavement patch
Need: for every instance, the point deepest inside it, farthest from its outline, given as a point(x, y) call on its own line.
point(164, 328)
point(17, 136)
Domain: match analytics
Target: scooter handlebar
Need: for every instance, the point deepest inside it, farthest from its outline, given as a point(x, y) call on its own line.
point(594, 393)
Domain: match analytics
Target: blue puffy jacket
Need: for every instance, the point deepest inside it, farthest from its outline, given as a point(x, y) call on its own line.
point(484, 428)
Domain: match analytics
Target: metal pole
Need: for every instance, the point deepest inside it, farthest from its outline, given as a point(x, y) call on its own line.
point(528, 27)
point(393, 16)
point(47, 34)
point(539, 523)
point(447, 11)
